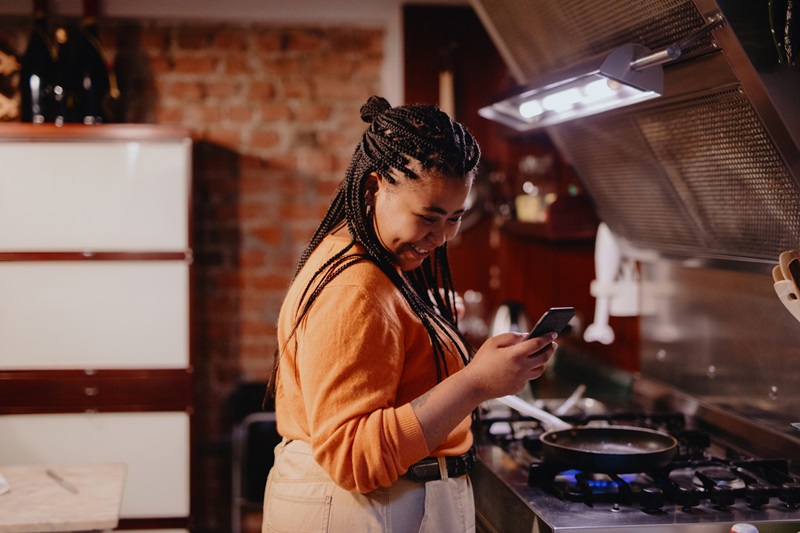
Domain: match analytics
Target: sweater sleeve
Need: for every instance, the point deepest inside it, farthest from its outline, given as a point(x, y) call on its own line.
point(350, 360)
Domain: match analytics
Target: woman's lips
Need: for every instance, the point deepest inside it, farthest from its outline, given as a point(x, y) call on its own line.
point(419, 251)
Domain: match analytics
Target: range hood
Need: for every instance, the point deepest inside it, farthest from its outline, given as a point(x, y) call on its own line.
point(708, 171)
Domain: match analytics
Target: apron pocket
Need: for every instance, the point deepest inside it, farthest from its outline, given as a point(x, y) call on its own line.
point(298, 508)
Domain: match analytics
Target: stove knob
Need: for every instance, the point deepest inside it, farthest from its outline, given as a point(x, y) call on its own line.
point(789, 493)
point(757, 495)
point(688, 498)
point(721, 496)
point(651, 499)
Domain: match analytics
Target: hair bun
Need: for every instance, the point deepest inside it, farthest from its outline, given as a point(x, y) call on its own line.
point(375, 107)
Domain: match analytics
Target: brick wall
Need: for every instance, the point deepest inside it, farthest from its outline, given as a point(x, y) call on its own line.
point(274, 114)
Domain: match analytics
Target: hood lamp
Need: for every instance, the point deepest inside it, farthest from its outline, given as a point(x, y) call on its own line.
point(627, 75)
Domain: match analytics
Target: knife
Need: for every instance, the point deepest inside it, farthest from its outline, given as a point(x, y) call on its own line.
point(63, 482)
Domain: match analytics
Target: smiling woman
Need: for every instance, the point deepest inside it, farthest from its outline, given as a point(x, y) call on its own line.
point(374, 384)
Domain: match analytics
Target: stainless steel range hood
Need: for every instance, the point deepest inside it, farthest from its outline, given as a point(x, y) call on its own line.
point(710, 170)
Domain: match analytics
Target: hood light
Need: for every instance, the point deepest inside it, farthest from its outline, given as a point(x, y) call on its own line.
point(628, 75)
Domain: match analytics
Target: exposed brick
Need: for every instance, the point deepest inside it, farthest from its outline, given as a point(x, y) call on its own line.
point(267, 234)
point(261, 90)
point(187, 64)
point(229, 39)
point(264, 139)
point(298, 89)
point(305, 41)
point(225, 137)
point(169, 115)
point(195, 37)
point(313, 112)
point(266, 41)
point(274, 111)
point(236, 64)
point(185, 90)
point(238, 113)
point(222, 88)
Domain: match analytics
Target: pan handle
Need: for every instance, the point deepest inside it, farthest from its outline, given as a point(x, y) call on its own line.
point(551, 422)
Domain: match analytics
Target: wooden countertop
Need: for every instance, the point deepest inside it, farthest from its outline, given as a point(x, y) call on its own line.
point(36, 502)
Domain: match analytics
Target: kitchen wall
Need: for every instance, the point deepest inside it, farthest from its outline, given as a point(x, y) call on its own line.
point(273, 108)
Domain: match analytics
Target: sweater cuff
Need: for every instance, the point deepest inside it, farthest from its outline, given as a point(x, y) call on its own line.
point(413, 446)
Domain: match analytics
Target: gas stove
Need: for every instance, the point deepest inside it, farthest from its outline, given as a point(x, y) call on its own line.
point(706, 487)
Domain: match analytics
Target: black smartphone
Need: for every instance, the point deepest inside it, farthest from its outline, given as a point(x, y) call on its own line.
point(554, 319)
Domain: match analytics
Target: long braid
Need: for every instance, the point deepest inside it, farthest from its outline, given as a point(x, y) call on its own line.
point(399, 143)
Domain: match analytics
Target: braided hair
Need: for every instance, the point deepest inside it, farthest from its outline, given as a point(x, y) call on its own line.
point(400, 143)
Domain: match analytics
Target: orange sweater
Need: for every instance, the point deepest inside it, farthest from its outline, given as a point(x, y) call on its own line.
point(348, 374)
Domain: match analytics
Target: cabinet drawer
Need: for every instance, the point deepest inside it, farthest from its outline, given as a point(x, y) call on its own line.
point(154, 446)
point(95, 196)
point(94, 314)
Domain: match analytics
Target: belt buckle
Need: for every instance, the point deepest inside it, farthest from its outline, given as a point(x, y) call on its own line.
point(424, 471)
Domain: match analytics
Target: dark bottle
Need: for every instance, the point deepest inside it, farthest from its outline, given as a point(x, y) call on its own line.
point(37, 70)
point(67, 90)
point(98, 85)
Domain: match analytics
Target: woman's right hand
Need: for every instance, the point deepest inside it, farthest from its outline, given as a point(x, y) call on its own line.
point(506, 362)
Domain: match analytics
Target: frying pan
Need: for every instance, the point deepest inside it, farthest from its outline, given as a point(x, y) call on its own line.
point(603, 449)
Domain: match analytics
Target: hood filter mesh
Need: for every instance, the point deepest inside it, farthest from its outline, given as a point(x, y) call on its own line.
point(698, 175)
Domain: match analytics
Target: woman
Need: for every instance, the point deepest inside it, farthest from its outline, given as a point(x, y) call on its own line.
point(373, 393)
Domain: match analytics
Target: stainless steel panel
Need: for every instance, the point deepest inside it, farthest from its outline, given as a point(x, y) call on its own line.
point(724, 338)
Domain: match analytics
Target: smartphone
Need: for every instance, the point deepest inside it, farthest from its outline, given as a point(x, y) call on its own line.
point(554, 319)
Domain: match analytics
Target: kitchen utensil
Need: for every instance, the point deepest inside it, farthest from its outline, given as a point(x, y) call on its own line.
point(607, 260)
point(606, 449)
point(571, 401)
point(787, 281)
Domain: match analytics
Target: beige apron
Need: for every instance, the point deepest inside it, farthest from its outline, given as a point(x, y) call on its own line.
point(301, 498)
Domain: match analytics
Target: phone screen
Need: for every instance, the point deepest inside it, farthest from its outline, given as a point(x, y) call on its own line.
point(554, 319)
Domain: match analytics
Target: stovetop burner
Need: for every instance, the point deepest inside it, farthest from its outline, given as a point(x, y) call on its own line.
point(704, 482)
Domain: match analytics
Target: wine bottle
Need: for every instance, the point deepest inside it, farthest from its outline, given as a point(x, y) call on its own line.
point(36, 70)
point(67, 90)
point(97, 79)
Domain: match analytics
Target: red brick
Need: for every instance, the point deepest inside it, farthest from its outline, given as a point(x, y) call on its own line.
point(268, 234)
point(251, 258)
point(261, 90)
point(195, 37)
point(282, 162)
point(229, 39)
point(267, 41)
point(185, 90)
point(194, 64)
point(313, 113)
point(201, 113)
point(305, 41)
point(250, 328)
point(222, 89)
point(226, 137)
point(274, 111)
point(282, 67)
point(264, 139)
point(237, 113)
point(298, 89)
point(155, 38)
point(236, 64)
point(169, 115)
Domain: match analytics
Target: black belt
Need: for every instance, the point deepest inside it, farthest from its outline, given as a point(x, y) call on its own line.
point(428, 468)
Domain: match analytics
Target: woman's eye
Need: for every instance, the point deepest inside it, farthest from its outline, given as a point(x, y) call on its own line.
point(454, 220)
point(429, 220)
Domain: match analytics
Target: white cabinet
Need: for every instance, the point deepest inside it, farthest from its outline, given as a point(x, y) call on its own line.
point(95, 293)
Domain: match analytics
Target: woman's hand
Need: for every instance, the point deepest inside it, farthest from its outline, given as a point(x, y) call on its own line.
point(506, 362)
point(502, 366)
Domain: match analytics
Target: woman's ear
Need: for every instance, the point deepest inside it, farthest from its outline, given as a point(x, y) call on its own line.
point(371, 186)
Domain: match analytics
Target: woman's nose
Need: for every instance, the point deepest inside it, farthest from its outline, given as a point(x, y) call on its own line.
point(438, 236)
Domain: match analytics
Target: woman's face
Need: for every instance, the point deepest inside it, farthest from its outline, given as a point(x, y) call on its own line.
point(413, 217)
